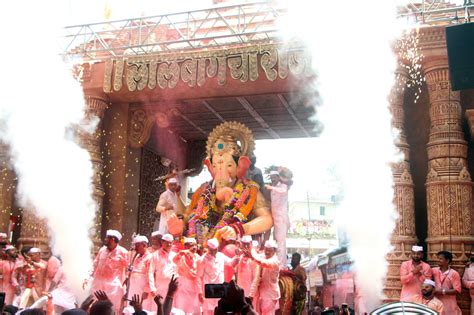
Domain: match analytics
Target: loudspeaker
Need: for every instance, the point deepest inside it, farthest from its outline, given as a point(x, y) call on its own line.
point(460, 43)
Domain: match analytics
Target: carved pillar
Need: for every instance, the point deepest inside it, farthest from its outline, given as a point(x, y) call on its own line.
point(7, 188)
point(448, 183)
point(404, 235)
point(95, 109)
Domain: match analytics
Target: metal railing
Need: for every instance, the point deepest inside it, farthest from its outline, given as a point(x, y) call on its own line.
point(217, 26)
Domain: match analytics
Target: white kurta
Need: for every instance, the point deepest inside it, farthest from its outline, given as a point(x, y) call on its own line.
point(167, 199)
point(211, 271)
point(279, 198)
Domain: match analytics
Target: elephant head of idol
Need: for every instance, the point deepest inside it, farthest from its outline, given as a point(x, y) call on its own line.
point(229, 147)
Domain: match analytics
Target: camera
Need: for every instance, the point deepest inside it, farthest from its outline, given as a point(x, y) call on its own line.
point(216, 291)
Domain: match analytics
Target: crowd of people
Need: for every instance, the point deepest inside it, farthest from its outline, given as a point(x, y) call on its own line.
point(166, 276)
point(435, 287)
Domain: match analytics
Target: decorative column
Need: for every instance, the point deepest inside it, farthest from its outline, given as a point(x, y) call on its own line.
point(404, 235)
point(7, 188)
point(95, 109)
point(448, 183)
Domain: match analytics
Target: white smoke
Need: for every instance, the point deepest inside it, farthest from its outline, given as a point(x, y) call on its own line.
point(350, 43)
point(39, 103)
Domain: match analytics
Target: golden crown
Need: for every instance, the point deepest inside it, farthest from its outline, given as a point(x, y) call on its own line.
point(232, 137)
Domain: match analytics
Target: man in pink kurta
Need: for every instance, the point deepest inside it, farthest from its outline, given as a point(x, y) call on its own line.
point(211, 271)
point(186, 298)
point(109, 269)
point(155, 240)
point(35, 275)
point(51, 268)
point(161, 268)
point(246, 267)
point(468, 280)
point(448, 283)
point(427, 297)
point(265, 287)
point(10, 285)
point(413, 273)
point(139, 281)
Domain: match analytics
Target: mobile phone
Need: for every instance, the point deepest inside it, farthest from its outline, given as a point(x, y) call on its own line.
point(216, 291)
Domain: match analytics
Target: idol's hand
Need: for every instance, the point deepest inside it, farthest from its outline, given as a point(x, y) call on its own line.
point(175, 225)
point(227, 232)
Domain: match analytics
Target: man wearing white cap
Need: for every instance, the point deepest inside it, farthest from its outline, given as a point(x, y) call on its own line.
point(265, 290)
point(168, 204)
point(412, 274)
point(8, 267)
point(109, 269)
point(35, 274)
point(155, 242)
point(279, 202)
point(189, 289)
point(161, 268)
point(427, 297)
point(246, 267)
point(140, 266)
point(211, 271)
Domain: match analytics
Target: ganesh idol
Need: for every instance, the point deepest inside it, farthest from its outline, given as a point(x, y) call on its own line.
point(230, 205)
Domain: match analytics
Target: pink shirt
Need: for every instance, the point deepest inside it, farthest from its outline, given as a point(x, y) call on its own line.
point(110, 265)
point(139, 281)
point(468, 279)
point(186, 297)
point(411, 284)
point(211, 271)
point(160, 272)
point(265, 285)
point(246, 272)
point(449, 279)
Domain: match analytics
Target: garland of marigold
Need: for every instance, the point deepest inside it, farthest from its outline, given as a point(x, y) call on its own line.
point(205, 217)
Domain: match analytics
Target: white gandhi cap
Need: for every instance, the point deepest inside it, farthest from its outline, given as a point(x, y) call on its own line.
point(274, 173)
point(189, 240)
point(34, 250)
point(114, 233)
point(270, 244)
point(416, 248)
point(167, 238)
point(429, 282)
point(172, 180)
point(140, 239)
point(246, 239)
point(213, 243)
point(155, 233)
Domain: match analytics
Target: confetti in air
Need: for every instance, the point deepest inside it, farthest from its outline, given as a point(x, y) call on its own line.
point(410, 58)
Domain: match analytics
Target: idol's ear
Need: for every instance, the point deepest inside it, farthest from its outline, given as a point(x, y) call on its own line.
point(208, 164)
point(243, 166)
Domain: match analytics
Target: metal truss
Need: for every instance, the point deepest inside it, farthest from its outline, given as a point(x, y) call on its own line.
point(437, 12)
point(217, 26)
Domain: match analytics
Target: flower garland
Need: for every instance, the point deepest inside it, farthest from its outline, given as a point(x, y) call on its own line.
point(206, 218)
